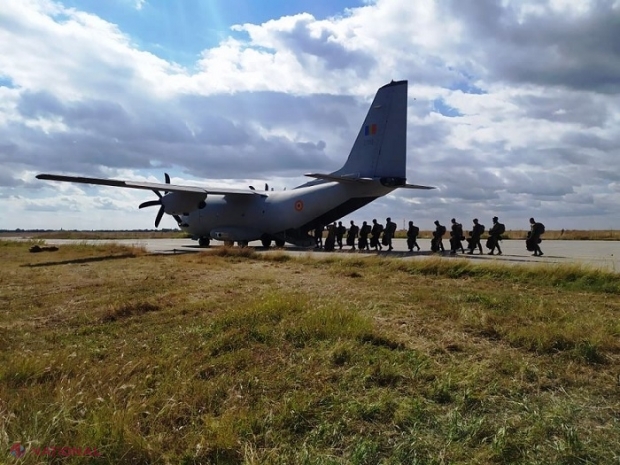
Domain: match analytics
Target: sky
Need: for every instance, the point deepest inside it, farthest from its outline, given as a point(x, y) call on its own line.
point(514, 106)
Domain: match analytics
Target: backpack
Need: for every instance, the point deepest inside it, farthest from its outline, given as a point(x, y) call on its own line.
point(540, 228)
point(501, 229)
point(441, 230)
point(458, 231)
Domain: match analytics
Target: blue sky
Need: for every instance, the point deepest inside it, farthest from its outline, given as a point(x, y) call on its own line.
point(180, 30)
point(513, 104)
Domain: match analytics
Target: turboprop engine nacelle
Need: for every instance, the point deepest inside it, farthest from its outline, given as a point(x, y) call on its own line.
point(179, 203)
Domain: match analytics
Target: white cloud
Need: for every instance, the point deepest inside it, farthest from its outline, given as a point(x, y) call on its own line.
point(537, 128)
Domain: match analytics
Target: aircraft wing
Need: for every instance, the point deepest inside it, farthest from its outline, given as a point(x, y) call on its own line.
point(151, 186)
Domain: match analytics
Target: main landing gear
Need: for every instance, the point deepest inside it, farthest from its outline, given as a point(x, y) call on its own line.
point(266, 241)
point(204, 241)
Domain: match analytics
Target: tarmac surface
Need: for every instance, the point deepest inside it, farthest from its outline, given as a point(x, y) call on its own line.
point(597, 254)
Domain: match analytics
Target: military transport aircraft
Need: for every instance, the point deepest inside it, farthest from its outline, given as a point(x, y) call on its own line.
point(375, 167)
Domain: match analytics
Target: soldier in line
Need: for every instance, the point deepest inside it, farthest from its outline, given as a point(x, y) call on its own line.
point(456, 236)
point(330, 241)
point(363, 240)
point(495, 235)
point(376, 231)
point(474, 239)
point(318, 236)
point(412, 236)
point(533, 237)
point(388, 234)
point(352, 235)
point(340, 231)
point(437, 240)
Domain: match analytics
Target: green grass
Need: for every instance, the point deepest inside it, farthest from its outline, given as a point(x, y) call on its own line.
point(235, 357)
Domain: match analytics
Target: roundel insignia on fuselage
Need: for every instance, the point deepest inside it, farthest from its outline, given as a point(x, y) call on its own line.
point(299, 205)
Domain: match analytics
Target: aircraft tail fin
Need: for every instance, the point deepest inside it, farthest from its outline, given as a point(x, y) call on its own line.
point(380, 148)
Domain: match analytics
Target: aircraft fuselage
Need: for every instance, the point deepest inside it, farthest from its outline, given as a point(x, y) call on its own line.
point(252, 217)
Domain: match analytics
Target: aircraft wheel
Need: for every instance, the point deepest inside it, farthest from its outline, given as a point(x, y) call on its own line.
point(228, 243)
point(266, 243)
point(204, 242)
point(279, 243)
point(242, 243)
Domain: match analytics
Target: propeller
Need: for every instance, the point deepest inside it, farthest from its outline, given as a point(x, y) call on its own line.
point(154, 203)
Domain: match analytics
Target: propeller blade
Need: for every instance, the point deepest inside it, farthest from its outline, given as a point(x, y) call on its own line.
point(167, 179)
point(157, 193)
point(160, 213)
point(149, 203)
point(177, 218)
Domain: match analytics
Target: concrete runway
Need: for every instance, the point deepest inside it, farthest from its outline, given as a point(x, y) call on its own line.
point(598, 254)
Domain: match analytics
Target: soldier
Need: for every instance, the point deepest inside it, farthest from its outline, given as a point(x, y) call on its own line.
point(437, 240)
point(495, 235)
point(330, 241)
point(456, 236)
point(352, 235)
point(363, 241)
point(533, 237)
point(388, 234)
point(340, 231)
point(318, 236)
point(474, 239)
point(376, 231)
point(412, 236)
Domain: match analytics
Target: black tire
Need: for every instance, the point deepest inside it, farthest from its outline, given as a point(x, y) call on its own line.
point(280, 243)
point(204, 242)
point(242, 244)
point(229, 243)
point(266, 243)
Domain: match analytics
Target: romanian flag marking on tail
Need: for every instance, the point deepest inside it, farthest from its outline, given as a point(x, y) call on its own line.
point(370, 129)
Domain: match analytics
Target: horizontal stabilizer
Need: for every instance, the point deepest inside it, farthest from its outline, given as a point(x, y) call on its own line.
point(415, 186)
point(336, 178)
point(154, 186)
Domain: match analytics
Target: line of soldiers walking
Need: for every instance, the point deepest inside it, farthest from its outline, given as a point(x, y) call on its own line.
point(377, 236)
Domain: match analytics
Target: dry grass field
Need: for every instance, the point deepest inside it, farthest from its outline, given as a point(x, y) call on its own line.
point(231, 357)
